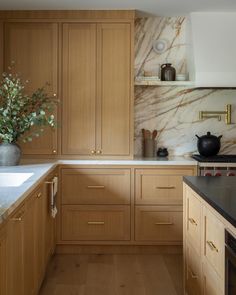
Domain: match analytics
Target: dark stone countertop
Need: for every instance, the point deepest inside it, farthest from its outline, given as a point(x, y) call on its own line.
point(219, 192)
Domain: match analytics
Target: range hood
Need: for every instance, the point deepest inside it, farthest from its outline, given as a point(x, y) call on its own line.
point(213, 49)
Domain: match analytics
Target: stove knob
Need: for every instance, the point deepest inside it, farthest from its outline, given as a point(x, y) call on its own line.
point(207, 174)
point(218, 174)
point(231, 174)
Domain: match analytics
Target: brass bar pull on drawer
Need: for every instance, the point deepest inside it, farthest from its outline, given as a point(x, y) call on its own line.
point(95, 186)
point(191, 220)
point(96, 222)
point(165, 187)
point(164, 223)
point(212, 246)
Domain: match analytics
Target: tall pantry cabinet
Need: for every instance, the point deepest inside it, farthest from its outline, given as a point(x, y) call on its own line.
point(96, 89)
point(33, 47)
point(87, 57)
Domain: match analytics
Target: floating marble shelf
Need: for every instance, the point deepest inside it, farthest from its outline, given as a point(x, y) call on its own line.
point(163, 83)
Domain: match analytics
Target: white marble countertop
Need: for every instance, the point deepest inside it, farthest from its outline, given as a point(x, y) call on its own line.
point(170, 161)
point(11, 197)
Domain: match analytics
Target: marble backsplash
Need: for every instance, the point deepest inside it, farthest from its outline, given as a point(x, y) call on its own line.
point(174, 111)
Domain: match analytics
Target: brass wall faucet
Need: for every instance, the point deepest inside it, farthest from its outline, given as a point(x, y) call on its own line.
point(216, 114)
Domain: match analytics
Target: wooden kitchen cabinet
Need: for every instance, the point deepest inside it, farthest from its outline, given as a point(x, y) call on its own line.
point(33, 46)
point(95, 186)
point(97, 89)
point(3, 261)
point(15, 253)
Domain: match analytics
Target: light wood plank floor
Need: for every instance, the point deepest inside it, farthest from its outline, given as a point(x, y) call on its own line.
point(114, 275)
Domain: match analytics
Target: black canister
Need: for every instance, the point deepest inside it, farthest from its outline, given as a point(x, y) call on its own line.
point(168, 72)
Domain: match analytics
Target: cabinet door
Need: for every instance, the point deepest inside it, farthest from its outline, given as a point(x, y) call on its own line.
point(33, 48)
point(15, 272)
point(30, 236)
point(114, 89)
point(3, 261)
point(79, 88)
point(212, 284)
point(39, 240)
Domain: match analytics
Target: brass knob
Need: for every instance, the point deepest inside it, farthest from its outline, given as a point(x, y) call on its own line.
point(93, 152)
point(99, 152)
point(54, 94)
point(39, 195)
point(54, 151)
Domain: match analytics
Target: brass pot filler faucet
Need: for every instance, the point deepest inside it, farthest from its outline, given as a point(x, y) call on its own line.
point(217, 114)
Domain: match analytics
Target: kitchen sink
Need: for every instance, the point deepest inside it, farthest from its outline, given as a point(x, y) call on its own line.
point(13, 179)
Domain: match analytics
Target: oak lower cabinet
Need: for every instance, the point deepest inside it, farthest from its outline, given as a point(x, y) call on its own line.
point(95, 223)
point(159, 204)
point(162, 224)
point(16, 253)
point(3, 261)
point(97, 89)
point(28, 248)
point(95, 204)
point(33, 46)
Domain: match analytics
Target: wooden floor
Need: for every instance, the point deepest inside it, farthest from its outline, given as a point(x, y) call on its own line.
point(114, 275)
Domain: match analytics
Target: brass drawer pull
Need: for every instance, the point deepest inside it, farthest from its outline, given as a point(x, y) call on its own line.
point(212, 246)
point(99, 152)
point(93, 152)
point(193, 276)
point(95, 186)
point(164, 223)
point(165, 187)
point(96, 222)
point(191, 220)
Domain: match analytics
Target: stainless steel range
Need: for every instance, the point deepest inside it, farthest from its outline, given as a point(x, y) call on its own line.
point(220, 165)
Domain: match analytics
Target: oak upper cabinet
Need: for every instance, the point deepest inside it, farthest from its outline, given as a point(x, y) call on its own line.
point(34, 49)
point(114, 91)
point(97, 89)
point(79, 88)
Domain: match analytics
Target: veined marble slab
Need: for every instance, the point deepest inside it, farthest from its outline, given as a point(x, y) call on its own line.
point(174, 111)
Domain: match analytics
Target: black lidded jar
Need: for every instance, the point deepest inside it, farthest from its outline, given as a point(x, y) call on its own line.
point(168, 72)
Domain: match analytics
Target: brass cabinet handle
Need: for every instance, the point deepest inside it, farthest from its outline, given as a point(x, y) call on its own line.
point(165, 187)
point(39, 195)
point(93, 152)
point(95, 186)
point(54, 151)
point(212, 246)
point(99, 152)
point(191, 220)
point(18, 218)
point(164, 223)
point(193, 276)
point(54, 94)
point(96, 222)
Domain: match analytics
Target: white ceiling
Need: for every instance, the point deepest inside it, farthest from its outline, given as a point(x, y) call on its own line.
point(155, 7)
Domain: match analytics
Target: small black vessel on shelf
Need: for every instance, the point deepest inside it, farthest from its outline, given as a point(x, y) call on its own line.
point(162, 153)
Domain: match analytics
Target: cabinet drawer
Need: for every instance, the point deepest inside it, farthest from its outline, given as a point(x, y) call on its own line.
point(95, 186)
point(212, 284)
point(214, 241)
point(160, 186)
point(193, 220)
point(95, 223)
point(159, 223)
point(192, 271)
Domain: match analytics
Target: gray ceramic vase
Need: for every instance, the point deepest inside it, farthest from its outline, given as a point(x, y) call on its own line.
point(10, 154)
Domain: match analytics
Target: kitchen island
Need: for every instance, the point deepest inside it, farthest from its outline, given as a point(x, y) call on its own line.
point(209, 215)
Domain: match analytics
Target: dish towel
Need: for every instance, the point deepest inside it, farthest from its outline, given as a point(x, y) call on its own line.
point(54, 188)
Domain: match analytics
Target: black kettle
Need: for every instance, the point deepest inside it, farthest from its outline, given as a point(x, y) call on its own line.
point(208, 145)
